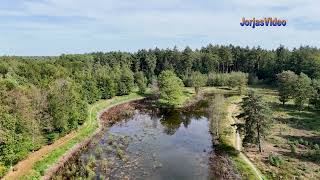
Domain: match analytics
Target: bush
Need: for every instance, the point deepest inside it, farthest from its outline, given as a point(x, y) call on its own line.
point(217, 79)
point(3, 170)
point(238, 80)
point(301, 141)
point(253, 79)
point(293, 148)
point(275, 160)
point(51, 137)
point(196, 80)
point(316, 147)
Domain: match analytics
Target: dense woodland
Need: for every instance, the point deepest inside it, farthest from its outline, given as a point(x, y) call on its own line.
point(43, 98)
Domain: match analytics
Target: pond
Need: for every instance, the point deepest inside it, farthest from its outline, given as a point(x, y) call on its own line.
point(148, 144)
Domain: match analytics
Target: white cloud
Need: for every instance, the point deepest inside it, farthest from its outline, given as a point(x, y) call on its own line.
point(138, 23)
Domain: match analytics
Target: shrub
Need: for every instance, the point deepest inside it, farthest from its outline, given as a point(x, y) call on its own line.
point(293, 148)
point(316, 147)
point(253, 79)
point(218, 79)
point(3, 170)
point(196, 80)
point(301, 141)
point(238, 80)
point(275, 160)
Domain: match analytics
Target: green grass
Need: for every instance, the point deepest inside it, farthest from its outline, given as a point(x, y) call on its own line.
point(295, 125)
point(243, 168)
point(188, 94)
point(85, 131)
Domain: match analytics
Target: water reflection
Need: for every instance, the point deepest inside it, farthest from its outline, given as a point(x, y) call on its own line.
point(172, 119)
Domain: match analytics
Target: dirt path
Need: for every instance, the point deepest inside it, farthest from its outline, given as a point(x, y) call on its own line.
point(24, 166)
point(232, 109)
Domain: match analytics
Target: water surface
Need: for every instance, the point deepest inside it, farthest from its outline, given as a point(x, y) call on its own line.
point(169, 144)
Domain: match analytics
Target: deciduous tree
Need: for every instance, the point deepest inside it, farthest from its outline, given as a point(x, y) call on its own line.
point(170, 87)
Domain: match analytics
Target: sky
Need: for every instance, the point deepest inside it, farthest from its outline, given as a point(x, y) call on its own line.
point(54, 27)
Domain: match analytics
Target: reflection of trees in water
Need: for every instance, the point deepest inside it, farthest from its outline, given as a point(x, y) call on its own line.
point(217, 113)
point(172, 120)
point(186, 120)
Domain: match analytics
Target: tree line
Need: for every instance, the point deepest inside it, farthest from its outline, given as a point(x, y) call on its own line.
point(300, 88)
point(43, 98)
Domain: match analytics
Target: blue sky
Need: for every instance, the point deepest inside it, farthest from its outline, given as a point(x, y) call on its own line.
point(53, 27)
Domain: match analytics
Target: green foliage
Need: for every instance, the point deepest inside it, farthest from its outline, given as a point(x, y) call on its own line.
point(257, 116)
point(106, 82)
point(286, 85)
point(196, 80)
point(302, 90)
point(217, 113)
point(293, 149)
point(238, 80)
point(20, 123)
point(253, 79)
point(126, 83)
point(170, 87)
point(218, 79)
point(275, 160)
point(42, 98)
point(3, 70)
point(141, 82)
point(66, 107)
point(315, 97)
point(147, 63)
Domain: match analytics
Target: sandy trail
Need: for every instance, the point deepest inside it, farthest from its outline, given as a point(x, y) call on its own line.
point(232, 109)
point(24, 166)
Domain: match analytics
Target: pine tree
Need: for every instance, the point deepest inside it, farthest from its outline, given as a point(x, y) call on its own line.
point(170, 87)
point(257, 116)
point(141, 81)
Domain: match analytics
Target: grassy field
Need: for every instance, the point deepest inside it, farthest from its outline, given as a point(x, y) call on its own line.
point(291, 148)
point(85, 131)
